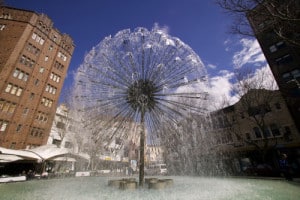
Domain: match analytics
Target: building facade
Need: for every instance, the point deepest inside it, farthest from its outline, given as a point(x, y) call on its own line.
point(277, 30)
point(258, 132)
point(34, 59)
point(62, 128)
point(154, 154)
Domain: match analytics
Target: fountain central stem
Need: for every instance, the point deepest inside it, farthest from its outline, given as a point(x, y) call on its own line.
point(142, 150)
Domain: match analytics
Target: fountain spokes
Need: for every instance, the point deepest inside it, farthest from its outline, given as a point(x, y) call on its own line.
point(142, 76)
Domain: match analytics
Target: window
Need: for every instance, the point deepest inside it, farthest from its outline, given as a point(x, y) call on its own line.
point(51, 89)
point(36, 82)
point(37, 132)
point(41, 117)
point(19, 92)
point(16, 72)
point(33, 36)
point(25, 111)
point(31, 96)
point(20, 75)
point(55, 77)
point(12, 145)
point(19, 127)
point(284, 59)
point(257, 132)
point(60, 125)
point(68, 145)
point(46, 58)
point(27, 61)
point(32, 49)
point(62, 56)
point(3, 125)
point(12, 108)
point(42, 69)
point(25, 77)
point(277, 46)
point(291, 75)
point(42, 41)
point(50, 47)
point(7, 107)
point(280, 44)
point(8, 88)
point(47, 102)
point(274, 129)
point(37, 38)
point(272, 48)
point(267, 133)
point(14, 90)
point(56, 142)
point(295, 73)
point(2, 26)
point(2, 103)
point(47, 88)
point(59, 66)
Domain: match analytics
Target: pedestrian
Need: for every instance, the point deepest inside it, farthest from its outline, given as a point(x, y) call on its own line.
point(285, 169)
point(130, 170)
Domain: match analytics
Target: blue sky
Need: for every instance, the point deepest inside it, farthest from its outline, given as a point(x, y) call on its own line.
point(199, 23)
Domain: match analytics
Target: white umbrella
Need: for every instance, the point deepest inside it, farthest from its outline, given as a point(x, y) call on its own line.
point(9, 158)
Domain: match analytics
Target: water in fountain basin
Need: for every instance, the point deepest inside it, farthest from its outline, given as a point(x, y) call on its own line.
point(192, 188)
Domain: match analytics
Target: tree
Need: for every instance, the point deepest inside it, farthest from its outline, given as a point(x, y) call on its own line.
point(282, 16)
point(256, 93)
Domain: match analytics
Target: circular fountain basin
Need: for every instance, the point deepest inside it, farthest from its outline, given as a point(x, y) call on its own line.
point(192, 188)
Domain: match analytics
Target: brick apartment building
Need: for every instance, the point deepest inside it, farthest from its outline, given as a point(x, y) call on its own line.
point(278, 34)
point(34, 59)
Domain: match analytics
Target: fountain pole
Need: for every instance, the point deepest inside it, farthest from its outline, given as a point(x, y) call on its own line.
point(142, 149)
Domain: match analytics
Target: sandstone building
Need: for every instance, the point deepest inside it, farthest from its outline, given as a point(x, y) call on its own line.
point(257, 129)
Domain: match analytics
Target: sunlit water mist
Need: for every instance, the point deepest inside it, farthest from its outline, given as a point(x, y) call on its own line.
point(139, 71)
point(143, 76)
point(191, 188)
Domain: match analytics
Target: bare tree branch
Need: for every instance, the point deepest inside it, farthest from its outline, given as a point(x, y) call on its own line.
point(281, 16)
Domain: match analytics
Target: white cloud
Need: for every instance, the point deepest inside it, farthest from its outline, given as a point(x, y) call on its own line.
point(227, 45)
point(250, 54)
point(227, 42)
point(221, 86)
point(212, 66)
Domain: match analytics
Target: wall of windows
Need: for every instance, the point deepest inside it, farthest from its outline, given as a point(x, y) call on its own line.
point(13, 89)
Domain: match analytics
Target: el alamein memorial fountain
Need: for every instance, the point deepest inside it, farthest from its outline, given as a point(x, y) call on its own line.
point(148, 78)
point(143, 76)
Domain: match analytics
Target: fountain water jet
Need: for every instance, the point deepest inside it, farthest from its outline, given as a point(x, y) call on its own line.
point(136, 76)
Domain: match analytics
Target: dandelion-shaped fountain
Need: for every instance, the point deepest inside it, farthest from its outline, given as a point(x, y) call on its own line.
point(146, 76)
